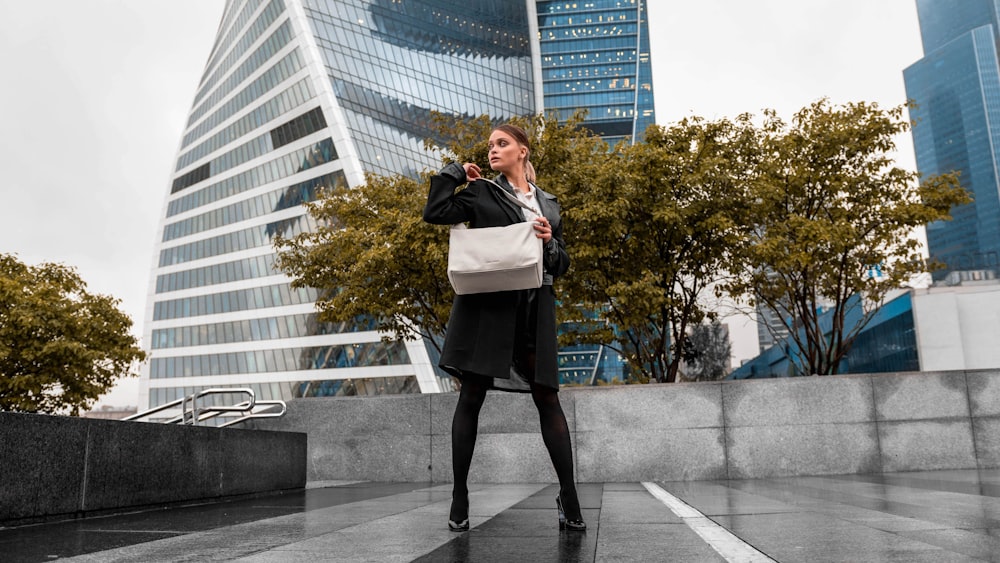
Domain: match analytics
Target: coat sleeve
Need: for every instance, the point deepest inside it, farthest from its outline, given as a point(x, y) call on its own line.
point(555, 258)
point(444, 206)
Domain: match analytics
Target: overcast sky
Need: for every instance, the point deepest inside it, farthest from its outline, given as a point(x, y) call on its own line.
point(95, 95)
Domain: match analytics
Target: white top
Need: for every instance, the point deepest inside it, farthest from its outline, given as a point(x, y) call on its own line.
point(528, 198)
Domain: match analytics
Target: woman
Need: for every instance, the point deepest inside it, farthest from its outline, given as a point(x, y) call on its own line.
point(505, 340)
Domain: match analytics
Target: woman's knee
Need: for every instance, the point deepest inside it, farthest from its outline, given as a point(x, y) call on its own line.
point(472, 394)
point(544, 397)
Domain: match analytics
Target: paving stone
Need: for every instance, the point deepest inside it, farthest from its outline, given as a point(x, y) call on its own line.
point(913, 517)
point(674, 542)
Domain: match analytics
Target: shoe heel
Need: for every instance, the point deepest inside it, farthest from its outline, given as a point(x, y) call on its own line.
point(572, 525)
point(455, 521)
point(562, 514)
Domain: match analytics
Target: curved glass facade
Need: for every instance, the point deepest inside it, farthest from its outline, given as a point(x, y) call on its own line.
point(392, 63)
point(268, 328)
point(300, 96)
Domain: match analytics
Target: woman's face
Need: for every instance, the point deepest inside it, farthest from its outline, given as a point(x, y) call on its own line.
point(506, 155)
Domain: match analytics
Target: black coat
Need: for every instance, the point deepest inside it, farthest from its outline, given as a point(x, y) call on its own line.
point(481, 329)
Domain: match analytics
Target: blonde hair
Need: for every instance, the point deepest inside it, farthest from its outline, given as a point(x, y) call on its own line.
point(521, 136)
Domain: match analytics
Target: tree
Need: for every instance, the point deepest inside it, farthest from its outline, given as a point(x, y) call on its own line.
point(651, 234)
point(827, 207)
point(708, 353)
point(60, 347)
point(376, 257)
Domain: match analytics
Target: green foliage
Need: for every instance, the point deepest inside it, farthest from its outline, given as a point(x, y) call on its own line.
point(651, 230)
point(60, 347)
point(826, 205)
point(790, 217)
point(373, 245)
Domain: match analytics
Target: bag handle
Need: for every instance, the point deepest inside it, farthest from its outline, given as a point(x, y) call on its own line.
point(510, 196)
point(513, 197)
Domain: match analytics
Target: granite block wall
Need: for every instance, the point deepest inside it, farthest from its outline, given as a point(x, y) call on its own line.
point(731, 429)
point(800, 426)
point(984, 407)
point(60, 467)
point(380, 439)
point(671, 432)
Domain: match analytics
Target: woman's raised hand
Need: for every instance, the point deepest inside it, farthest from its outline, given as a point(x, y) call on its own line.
point(472, 171)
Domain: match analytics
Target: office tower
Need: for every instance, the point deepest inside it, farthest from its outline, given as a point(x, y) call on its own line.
point(595, 56)
point(957, 91)
point(302, 95)
point(298, 96)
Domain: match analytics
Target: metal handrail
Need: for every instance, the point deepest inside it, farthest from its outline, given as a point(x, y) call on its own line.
point(262, 414)
point(206, 413)
point(213, 412)
point(196, 412)
point(155, 410)
point(192, 414)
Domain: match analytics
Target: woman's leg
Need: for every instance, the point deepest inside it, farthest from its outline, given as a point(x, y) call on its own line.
point(555, 434)
point(464, 428)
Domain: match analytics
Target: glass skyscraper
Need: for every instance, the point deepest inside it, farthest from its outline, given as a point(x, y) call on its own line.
point(595, 56)
point(302, 95)
point(956, 87)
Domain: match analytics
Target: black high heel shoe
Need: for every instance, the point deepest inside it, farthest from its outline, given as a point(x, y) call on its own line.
point(462, 526)
point(571, 525)
point(459, 524)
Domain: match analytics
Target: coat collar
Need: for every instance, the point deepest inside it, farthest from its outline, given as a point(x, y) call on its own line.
point(546, 201)
point(539, 192)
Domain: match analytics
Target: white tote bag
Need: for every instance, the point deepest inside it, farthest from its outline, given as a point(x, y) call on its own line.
point(492, 259)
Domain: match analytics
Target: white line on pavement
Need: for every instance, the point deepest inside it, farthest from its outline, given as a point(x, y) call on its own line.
point(730, 547)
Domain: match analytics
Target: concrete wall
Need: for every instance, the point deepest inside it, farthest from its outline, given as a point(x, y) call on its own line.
point(732, 429)
point(53, 466)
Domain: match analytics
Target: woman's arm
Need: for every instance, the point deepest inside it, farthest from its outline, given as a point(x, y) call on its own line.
point(444, 206)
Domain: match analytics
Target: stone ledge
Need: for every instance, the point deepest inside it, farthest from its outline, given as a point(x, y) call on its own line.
point(731, 429)
point(63, 467)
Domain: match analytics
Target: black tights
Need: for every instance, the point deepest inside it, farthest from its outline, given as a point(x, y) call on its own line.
point(555, 434)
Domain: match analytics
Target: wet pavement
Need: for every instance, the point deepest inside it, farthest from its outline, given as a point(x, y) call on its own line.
point(940, 516)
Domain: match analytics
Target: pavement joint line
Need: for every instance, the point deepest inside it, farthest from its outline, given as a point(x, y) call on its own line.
point(729, 546)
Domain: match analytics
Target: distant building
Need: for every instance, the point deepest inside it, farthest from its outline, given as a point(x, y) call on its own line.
point(298, 96)
point(956, 87)
point(950, 326)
